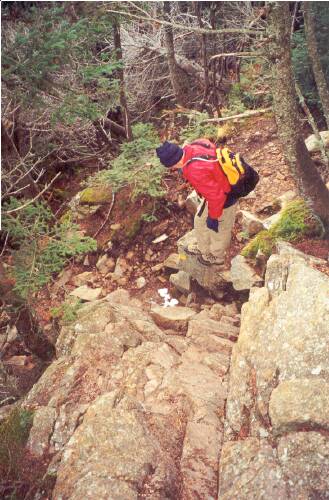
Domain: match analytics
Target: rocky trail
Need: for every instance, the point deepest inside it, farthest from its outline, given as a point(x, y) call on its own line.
point(225, 395)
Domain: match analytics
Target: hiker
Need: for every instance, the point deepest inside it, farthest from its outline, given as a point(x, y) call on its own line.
point(202, 164)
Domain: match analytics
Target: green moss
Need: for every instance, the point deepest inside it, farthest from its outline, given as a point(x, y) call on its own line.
point(95, 195)
point(67, 217)
point(296, 221)
point(14, 432)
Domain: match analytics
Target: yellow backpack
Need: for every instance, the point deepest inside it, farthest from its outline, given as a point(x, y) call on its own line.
point(231, 164)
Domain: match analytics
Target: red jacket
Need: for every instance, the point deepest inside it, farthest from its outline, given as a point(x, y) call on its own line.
point(206, 177)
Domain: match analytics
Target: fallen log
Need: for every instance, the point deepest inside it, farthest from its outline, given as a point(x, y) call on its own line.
point(252, 112)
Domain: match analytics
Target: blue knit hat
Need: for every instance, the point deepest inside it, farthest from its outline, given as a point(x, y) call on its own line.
point(169, 153)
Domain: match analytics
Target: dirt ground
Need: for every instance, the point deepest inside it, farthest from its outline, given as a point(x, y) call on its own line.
point(256, 139)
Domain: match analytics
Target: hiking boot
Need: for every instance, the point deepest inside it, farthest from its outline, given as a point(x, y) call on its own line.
point(209, 260)
point(192, 249)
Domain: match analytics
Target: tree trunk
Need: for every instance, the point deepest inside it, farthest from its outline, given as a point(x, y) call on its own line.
point(197, 8)
point(175, 76)
point(123, 99)
point(308, 179)
point(312, 47)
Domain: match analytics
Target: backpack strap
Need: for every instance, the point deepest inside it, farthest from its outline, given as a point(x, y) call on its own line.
point(209, 158)
point(199, 143)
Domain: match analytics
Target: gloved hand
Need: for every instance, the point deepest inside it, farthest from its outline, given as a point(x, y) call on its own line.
point(212, 224)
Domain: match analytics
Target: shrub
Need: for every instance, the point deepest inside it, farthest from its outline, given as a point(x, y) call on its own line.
point(136, 166)
point(14, 432)
point(66, 312)
point(296, 221)
point(196, 129)
point(42, 245)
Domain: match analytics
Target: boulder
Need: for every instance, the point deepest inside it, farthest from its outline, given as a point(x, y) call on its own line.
point(83, 278)
point(279, 387)
point(95, 195)
point(285, 248)
point(119, 383)
point(299, 402)
point(250, 223)
point(172, 261)
point(8, 387)
point(250, 469)
point(304, 461)
point(181, 281)
point(120, 269)
point(312, 144)
point(273, 219)
point(140, 282)
point(105, 264)
point(203, 322)
point(242, 275)
point(121, 453)
point(175, 318)
point(212, 277)
point(282, 201)
point(192, 202)
point(86, 293)
point(43, 425)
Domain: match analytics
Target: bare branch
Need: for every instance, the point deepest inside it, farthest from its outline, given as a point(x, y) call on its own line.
point(252, 112)
point(107, 216)
point(237, 54)
point(191, 28)
point(47, 186)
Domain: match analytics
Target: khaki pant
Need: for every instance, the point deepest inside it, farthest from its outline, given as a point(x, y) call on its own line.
point(210, 242)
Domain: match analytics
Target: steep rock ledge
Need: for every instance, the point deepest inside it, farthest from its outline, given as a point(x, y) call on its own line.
point(129, 410)
point(276, 441)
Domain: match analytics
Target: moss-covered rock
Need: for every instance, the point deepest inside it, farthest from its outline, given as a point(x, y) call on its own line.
point(296, 221)
point(96, 195)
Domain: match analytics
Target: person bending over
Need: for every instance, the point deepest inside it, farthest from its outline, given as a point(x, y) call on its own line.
point(198, 164)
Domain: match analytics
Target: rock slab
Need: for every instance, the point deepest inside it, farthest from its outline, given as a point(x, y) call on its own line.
point(277, 406)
